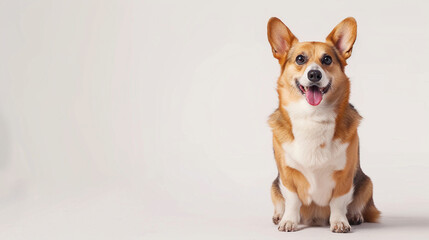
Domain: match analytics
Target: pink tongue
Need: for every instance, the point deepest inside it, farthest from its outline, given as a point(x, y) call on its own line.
point(313, 95)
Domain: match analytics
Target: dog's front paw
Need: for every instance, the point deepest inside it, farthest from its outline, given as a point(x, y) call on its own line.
point(288, 226)
point(340, 227)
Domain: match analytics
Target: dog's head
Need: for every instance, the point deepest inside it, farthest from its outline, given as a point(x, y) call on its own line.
point(312, 70)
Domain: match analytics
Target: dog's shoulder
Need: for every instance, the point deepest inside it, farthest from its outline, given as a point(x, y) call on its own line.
point(281, 126)
point(347, 123)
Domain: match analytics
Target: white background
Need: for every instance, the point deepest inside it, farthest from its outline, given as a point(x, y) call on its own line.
point(147, 120)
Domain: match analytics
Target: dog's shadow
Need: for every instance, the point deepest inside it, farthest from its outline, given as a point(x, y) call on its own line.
point(388, 222)
point(397, 222)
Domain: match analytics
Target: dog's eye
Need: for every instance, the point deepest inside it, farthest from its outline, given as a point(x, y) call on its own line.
point(327, 60)
point(300, 60)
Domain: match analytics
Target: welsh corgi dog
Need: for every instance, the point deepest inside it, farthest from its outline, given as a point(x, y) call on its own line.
point(315, 138)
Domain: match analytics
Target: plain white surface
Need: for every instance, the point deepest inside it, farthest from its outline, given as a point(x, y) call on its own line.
point(147, 120)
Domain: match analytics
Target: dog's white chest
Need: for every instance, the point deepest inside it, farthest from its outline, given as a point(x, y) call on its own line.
point(313, 151)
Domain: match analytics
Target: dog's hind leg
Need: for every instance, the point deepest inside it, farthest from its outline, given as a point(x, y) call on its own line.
point(362, 208)
point(278, 201)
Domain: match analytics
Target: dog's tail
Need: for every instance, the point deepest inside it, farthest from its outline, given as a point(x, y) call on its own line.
point(371, 213)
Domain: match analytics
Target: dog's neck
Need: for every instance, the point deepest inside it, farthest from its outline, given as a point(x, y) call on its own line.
point(301, 110)
point(344, 118)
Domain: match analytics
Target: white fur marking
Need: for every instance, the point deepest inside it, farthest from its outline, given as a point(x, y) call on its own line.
point(314, 127)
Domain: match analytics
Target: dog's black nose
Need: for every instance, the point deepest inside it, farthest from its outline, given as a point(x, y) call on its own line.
point(314, 75)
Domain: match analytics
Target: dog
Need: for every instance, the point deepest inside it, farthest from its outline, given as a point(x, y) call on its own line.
point(315, 138)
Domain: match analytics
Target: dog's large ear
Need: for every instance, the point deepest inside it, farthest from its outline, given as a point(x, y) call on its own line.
point(280, 37)
point(344, 36)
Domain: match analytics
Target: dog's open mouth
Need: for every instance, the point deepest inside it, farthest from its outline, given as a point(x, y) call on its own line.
point(313, 94)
